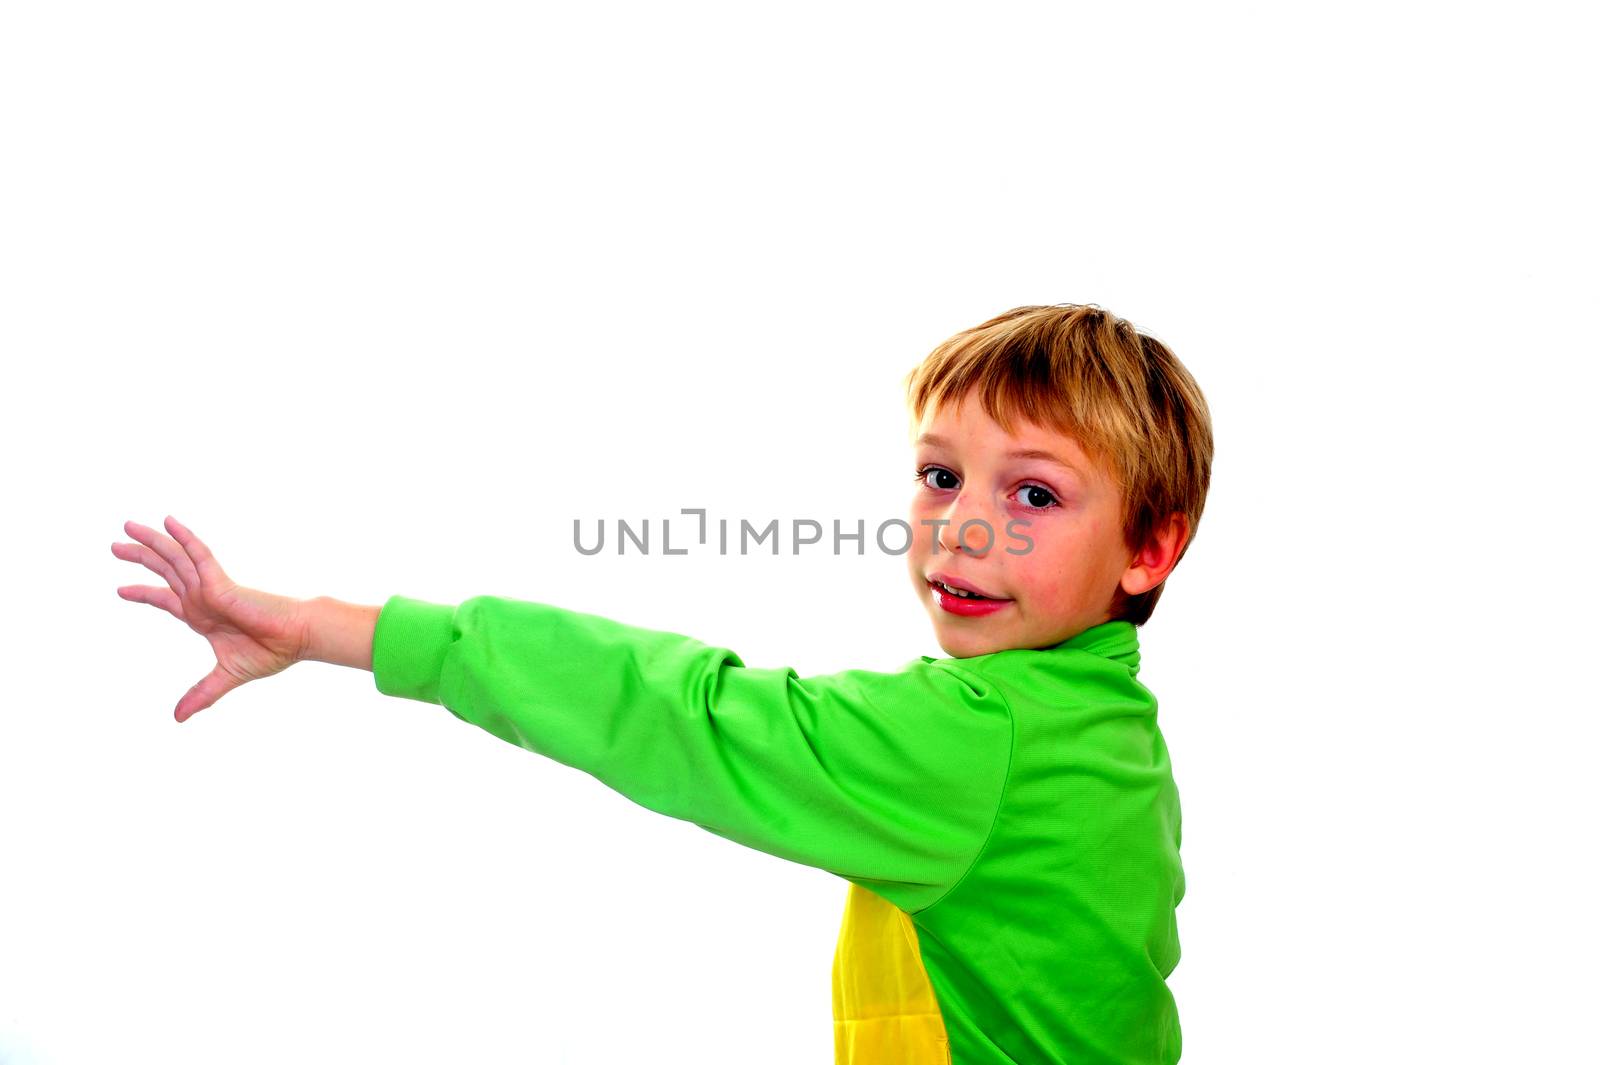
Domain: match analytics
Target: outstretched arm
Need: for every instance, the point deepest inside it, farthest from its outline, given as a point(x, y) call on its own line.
point(891, 780)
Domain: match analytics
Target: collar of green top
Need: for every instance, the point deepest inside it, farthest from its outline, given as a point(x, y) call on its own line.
point(1110, 639)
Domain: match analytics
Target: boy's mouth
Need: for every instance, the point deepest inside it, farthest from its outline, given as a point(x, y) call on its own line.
point(958, 597)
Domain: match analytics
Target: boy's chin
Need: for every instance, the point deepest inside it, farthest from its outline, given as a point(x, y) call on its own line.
point(959, 641)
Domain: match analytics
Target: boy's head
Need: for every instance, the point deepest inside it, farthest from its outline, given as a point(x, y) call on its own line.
point(1085, 528)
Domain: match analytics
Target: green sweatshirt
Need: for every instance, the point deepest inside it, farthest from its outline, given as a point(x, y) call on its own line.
point(1015, 811)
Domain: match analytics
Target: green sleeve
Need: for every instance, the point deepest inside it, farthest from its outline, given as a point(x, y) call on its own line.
point(888, 779)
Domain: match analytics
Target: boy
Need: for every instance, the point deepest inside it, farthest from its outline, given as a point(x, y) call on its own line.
point(1006, 817)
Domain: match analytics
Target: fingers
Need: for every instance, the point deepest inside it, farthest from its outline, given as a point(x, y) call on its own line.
point(213, 686)
point(151, 560)
point(168, 549)
point(158, 597)
point(198, 552)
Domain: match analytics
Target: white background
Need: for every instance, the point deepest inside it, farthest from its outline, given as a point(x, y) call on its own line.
point(378, 298)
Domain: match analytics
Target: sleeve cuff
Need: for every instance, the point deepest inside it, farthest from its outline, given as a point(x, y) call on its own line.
point(409, 645)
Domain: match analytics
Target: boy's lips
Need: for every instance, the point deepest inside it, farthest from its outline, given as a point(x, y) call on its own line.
point(940, 583)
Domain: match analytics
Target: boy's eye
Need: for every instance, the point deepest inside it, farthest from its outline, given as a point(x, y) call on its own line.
point(1036, 497)
point(929, 475)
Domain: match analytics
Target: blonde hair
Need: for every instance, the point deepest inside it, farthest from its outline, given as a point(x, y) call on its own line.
point(1120, 394)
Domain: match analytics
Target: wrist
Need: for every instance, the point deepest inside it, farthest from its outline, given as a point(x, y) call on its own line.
point(339, 633)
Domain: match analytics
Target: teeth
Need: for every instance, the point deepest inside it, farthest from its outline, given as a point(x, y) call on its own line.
point(963, 593)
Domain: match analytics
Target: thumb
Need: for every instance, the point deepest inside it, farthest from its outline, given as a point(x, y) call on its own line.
point(213, 686)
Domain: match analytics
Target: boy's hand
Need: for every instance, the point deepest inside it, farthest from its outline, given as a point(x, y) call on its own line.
point(253, 633)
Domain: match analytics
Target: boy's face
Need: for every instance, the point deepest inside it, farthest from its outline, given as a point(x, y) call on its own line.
point(1049, 592)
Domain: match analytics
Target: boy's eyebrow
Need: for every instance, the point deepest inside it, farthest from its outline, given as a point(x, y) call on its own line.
point(935, 440)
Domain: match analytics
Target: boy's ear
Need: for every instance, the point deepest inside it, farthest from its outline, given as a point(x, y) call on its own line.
point(1151, 564)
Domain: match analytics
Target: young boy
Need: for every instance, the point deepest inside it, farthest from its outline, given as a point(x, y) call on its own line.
point(1006, 817)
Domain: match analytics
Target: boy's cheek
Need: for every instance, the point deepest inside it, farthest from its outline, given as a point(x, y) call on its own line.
point(1051, 582)
point(921, 537)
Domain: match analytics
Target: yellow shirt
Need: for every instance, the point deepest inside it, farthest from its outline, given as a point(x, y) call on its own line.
point(884, 1009)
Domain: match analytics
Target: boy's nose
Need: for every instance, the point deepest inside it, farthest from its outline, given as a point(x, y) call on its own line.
point(980, 533)
point(948, 541)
